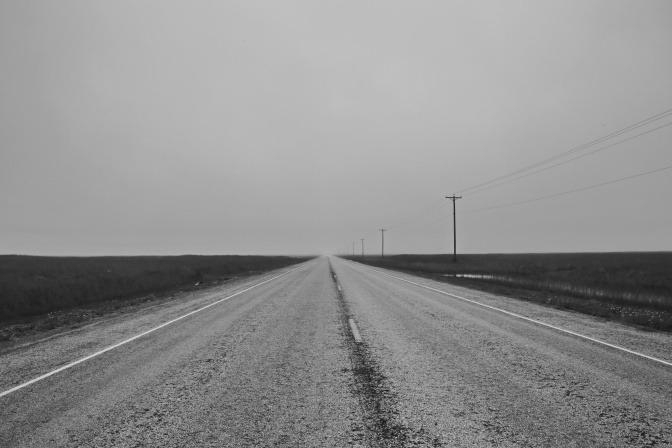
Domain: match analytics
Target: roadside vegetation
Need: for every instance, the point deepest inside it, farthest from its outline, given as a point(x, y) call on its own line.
point(632, 287)
point(33, 286)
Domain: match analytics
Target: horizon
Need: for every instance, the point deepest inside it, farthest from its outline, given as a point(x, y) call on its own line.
point(337, 255)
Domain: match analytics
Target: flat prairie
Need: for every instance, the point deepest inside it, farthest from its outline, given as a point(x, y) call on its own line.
point(32, 285)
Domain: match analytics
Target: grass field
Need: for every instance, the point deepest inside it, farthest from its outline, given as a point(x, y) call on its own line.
point(31, 286)
point(635, 287)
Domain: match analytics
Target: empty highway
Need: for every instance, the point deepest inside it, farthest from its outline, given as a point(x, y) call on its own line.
point(272, 360)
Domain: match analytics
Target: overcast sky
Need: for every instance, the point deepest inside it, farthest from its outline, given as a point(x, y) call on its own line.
point(231, 127)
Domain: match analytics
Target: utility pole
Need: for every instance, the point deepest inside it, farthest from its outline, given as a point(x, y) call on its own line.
point(362, 246)
point(454, 198)
point(353, 248)
point(382, 247)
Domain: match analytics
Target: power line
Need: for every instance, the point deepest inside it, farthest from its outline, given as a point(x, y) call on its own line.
point(420, 221)
point(567, 161)
point(594, 142)
point(422, 226)
point(573, 191)
point(432, 223)
point(430, 208)
point(573, 150)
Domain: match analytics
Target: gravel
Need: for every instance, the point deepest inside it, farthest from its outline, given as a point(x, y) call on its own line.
point(470, 376)
point(267, 368)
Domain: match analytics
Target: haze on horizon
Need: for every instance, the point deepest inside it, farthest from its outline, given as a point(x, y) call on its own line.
point(250, 127)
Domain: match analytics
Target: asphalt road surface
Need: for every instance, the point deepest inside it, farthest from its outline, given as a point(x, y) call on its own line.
point(276, 364)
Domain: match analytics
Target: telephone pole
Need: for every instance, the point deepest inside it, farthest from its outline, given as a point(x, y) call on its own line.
point(362, 246)
point(382, 247)
point(353, 248)
point(454, 198)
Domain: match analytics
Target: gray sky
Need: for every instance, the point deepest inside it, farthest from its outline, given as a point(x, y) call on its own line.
point(138, 127)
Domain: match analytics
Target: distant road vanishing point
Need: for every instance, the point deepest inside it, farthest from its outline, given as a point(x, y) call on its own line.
point(331, 353)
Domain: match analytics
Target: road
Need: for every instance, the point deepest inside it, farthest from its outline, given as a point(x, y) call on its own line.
point(276, 364)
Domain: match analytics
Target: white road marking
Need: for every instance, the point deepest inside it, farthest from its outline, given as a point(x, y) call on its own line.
point(355, 331)
point(529, 319)
point(126, 341)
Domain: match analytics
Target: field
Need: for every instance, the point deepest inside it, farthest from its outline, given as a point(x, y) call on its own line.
point(31, 286)
point(634, 287)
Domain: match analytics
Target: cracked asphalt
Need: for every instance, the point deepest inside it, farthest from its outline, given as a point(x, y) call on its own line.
point(277, 366)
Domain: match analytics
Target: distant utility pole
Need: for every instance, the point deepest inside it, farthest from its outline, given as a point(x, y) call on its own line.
point(353, 248)
point(382, 247)
point(454, 198)
point(362, 246)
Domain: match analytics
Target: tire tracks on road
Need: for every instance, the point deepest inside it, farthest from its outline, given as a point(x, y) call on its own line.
point(376, 396)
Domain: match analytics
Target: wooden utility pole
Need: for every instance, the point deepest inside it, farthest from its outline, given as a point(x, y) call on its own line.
point(454, 198)
point(353, 248)
point(382, 247)
point(362, 246)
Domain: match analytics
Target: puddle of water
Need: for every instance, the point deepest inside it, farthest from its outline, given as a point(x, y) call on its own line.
point(481, 276)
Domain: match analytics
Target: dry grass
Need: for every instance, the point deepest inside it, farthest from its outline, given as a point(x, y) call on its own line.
point(31, 286)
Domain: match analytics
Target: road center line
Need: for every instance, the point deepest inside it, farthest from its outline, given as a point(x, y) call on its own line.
point(529, 319)
point(355, 330)
point(144, 333)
